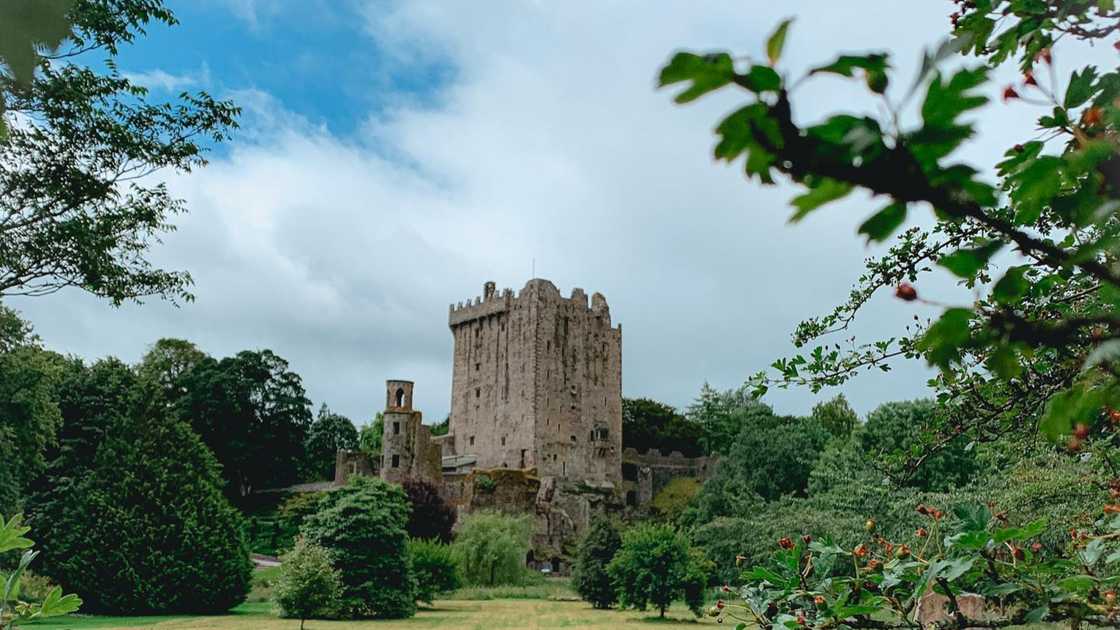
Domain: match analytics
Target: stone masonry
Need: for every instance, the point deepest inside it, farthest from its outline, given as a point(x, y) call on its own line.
point(537, 383)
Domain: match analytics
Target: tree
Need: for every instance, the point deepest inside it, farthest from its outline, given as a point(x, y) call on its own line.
point(836, 416)
point(81, 205)
point(894, 430)
point(13, 610)
point(29, 415)
point(655, 567)
point(309, 586)
point(491, 548)
point(134, 519)
point(721, 416)
point(252, 411)
point(589, 574)
point(772, 455)
point(1042, 331)
point(1034, 350)
point(431, 517)
point(167, 363)
point(369, 437)
point(650, 424)
point(362, 525)
point(435, 569)
point(441, 427)
point(329, 433)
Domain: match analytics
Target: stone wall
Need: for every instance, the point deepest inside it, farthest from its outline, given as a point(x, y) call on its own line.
point(644, 474)
point(407, 449)
point(537, 383)
point(352, 463)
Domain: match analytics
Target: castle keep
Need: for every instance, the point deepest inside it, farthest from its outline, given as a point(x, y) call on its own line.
point(536, 419)
point(537, 383)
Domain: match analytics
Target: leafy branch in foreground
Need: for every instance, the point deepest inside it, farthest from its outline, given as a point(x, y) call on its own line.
point(1038, 249)
point(14, 611)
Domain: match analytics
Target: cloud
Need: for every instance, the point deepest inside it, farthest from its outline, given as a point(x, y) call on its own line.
point(548, 147)
point(161, 80)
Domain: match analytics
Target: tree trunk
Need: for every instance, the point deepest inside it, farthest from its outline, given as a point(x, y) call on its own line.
point(662, 612)
point(301, 620)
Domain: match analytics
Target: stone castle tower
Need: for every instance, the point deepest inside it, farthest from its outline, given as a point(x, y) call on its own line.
point(537, 383)
point(406, 444)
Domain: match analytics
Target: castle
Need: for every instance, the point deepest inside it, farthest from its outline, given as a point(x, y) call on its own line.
point(536, 419)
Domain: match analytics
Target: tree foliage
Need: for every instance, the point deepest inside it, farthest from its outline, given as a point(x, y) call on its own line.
point(329, 433)
point(82, 147)
point(431, 517)
point(362, 525)
point(655, 567)
point(836, 416)
point(133, 512)
point(491, 548)
point(309, 586)
point(253, 412)
point(589, 573)
point(434, 567)
point(650, 424)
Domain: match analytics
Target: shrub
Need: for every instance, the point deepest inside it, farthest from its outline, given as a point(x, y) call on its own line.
point(491, 547)
point(434, 567)
point(142, 526)
point(309, 586)
point(362, 525)
point(596, 550)
point(655, 566)
point(671, 501)
point(431, 516)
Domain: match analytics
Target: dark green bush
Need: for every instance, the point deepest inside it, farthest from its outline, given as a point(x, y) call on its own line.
point(143, 527)
point(434, 567)
point(363, 527)
point(596, 550)
point(431, 516)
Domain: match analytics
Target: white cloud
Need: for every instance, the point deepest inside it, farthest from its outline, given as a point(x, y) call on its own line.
point(550, 145)
point(161, 80)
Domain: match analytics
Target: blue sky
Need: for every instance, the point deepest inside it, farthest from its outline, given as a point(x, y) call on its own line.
point(316, 58)
point(394, 156)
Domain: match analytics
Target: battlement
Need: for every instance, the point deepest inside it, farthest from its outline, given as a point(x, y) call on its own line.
point(493, 302)
point(655, 457)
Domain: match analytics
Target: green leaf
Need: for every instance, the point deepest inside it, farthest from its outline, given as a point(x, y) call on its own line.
point(777, 41)
point(846, 65)
point(706, 73)
point(1036, 185)
point(1004, 362)
point(1080, 87)
point(11, 534)
point(57, 604)
point(1012, 286)
point(1081, 403)
point(942, 342)
point(1077, 583)
point(762, 79)
point(973, 517)
point(884, 222)
point(1000, 590)
point(1092, 552)
point(1036, 615)
point(823, 191)
point(953, 569)
point(965, 263)
point(946, 100)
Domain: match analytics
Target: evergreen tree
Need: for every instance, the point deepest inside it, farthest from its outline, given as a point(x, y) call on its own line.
point(135, 521)
point(596, 550)
point(363, 527)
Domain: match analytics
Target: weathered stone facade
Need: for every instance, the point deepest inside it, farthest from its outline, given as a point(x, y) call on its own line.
point(536, 418)
point(537, 382)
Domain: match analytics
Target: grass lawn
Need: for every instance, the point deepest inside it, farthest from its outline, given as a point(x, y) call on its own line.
point(490, 614)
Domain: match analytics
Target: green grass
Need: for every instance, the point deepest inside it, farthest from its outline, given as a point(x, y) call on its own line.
point(550, 588)
point(493, 614)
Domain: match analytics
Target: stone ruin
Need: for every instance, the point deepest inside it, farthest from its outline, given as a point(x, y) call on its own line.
point(536, 419)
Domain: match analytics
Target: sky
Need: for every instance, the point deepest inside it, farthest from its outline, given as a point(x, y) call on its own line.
point(393, 157)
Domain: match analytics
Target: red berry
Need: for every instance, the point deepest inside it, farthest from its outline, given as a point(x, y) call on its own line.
point(1081, 431)
point(806, 539)
point(1028, 78)
point(720, 604)
point(902, 552)
point(1044, 55)
point(921, 533)
point(1092, 117)
point(860, 551)
point(1017, 553)
point(785, 543)
point(906, 292)
point(819, 600)
point(1009, 93)
point(1036, 547)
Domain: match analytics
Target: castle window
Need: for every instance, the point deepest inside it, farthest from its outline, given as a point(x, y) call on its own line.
point(503, 440)
point(631, 498)
point(399, 397)
point(396, 461)
point(471, 440)
point(573, 439)
point(477, 367)
point(478, 392)
point(396, 428)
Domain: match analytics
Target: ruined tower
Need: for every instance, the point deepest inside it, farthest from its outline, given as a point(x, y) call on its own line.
point(406, 450)
point(537, 383)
